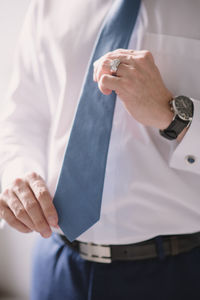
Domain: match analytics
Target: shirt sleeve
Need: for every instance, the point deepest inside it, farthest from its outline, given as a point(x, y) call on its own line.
point(25, 117)
point(186, 155)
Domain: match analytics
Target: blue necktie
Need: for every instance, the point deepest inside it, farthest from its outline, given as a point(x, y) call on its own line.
point(80, 186)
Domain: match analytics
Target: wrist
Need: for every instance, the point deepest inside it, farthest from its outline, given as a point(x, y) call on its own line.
point(166, 115)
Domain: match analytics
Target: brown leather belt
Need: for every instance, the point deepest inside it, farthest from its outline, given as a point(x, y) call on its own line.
point(167, 245)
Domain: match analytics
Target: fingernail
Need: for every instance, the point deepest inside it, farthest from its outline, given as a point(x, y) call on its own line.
point(53, 221)
point(46, 234)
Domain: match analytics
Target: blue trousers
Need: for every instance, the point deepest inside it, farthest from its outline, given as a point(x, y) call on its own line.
point(59, 273)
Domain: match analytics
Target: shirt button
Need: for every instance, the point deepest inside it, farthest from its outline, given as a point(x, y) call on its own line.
point(190, 159)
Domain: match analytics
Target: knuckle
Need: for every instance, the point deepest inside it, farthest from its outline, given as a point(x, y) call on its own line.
point(105, 64)
point(20, 212)
point(5, 193)
point(30, 206)
point(119, 50)
point(148, 55)
point(108, 54)
point(17, 183)
point(32, 176)
point(49, 210)
point(35, 184)
point(13, 204)
point(138, 60)
point(18, 189)
point(42, 194)
point(130, 59)
point(27, 195)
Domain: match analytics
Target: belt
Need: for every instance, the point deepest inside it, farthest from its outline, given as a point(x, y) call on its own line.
point(156, 247)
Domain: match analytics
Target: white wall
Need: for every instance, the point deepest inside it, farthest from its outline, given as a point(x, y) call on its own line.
point(15, 248)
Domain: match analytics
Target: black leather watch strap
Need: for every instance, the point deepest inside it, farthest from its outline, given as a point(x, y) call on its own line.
point(174, 129)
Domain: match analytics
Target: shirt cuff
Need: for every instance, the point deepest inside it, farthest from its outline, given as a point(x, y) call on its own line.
point(18, 168)
point(186, 156)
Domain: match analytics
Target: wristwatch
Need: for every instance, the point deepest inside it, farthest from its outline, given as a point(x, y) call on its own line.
point(183, 108)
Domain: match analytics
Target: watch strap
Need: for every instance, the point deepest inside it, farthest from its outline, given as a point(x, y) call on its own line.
point(174, 129)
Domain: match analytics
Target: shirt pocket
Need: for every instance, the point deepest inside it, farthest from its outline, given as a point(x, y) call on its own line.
point(178, 59)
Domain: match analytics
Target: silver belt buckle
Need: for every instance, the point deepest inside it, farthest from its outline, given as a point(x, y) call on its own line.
point(94, 252)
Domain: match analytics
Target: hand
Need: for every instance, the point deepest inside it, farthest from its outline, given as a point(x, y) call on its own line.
point(27, 206)
point(139, 85)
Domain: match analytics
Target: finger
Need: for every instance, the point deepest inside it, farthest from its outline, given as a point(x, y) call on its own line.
point(124, 71)
point(42, 195)
point(98, 62)
point(109, 83)
point(98, 65)
point(132, 58)
point(126, 56)
point(103, 64)
point(126, 52)
point(9, 217)
point(103, 67)
point(32, 207)
point(19, 211)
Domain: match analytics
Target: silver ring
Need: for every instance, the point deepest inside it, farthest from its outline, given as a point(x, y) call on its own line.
point(114, 65)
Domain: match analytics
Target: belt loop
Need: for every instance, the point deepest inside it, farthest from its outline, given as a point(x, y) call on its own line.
point(174, 245)
point(159, 247)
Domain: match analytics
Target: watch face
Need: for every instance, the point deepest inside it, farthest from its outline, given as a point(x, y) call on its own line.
point(183, 107)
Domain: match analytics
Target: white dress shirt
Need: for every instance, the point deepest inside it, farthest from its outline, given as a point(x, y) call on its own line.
point(150, 187)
